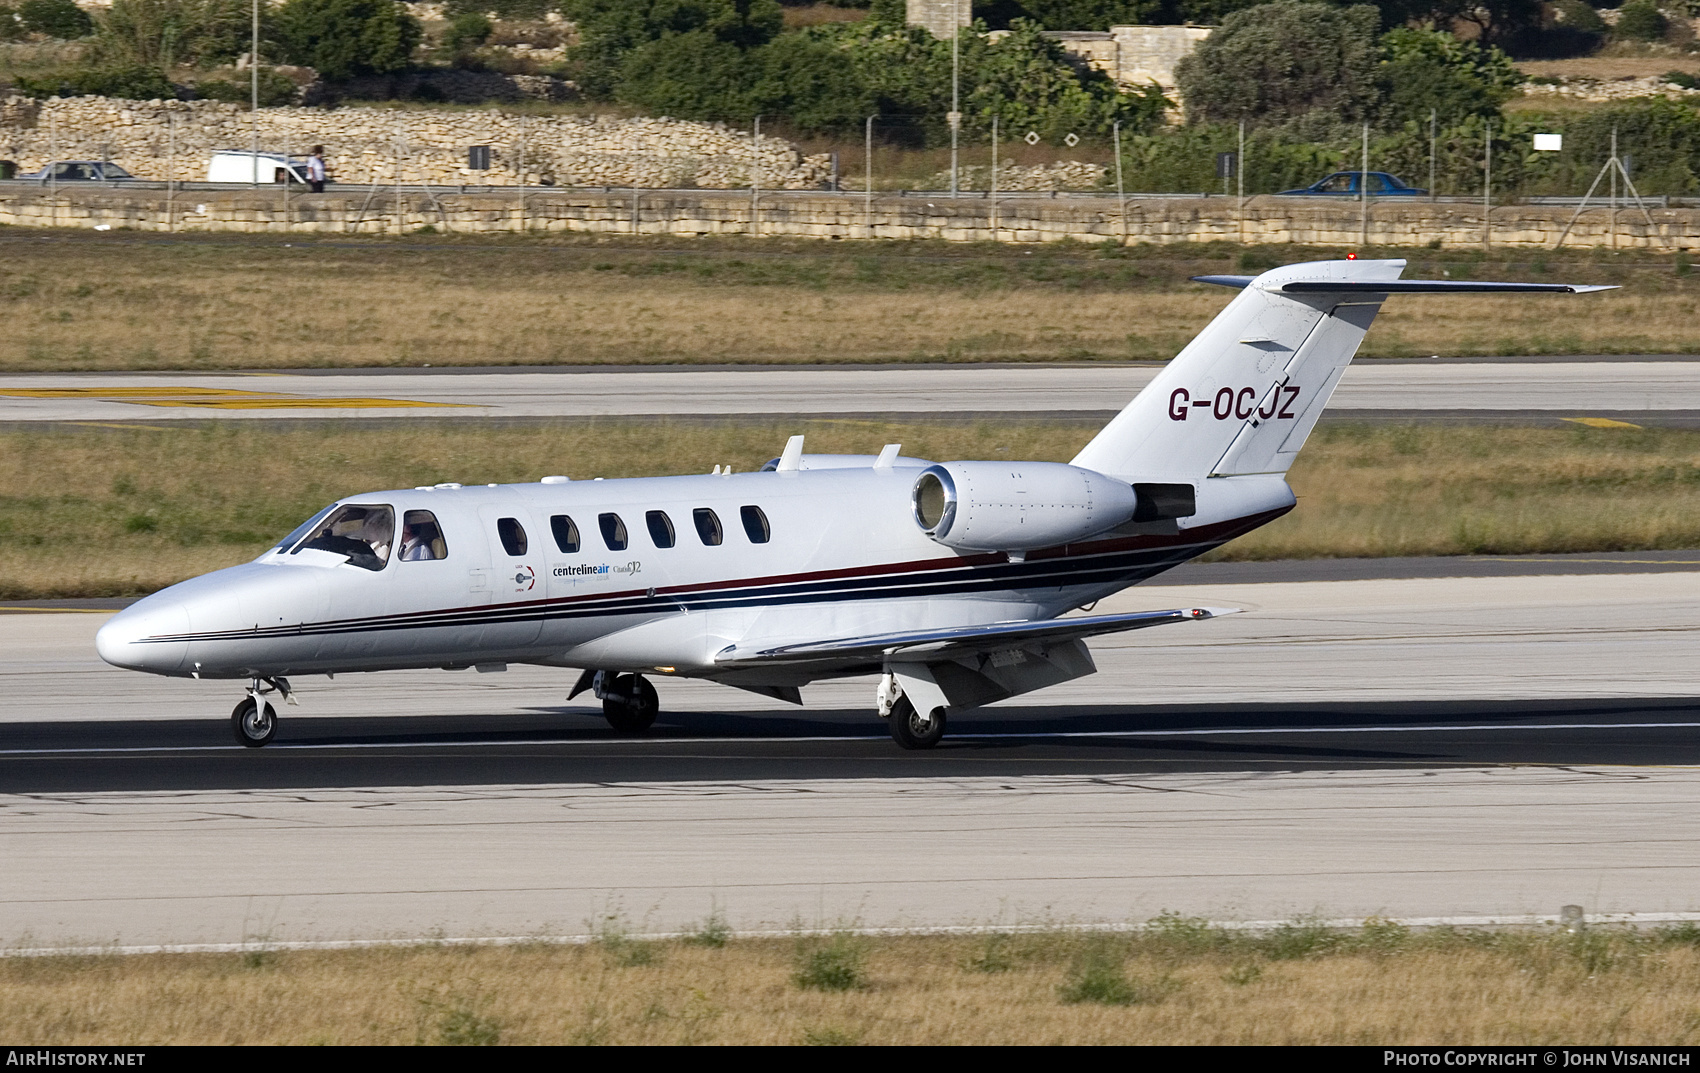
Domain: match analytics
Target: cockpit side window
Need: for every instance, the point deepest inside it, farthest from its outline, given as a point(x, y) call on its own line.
point(421, 537)
point(361, 531)
point(513, 536)
point(613, 531)
point(566, 533)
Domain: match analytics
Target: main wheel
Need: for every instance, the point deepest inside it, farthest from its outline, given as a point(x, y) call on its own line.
point(630, 705)
point(909, 731)
point(252, 726)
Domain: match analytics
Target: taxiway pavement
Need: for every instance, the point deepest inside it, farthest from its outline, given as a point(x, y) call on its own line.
point(1420, 747)
point(1369, 387)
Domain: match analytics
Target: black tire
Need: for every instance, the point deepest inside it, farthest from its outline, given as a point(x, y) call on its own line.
point(250, 731)
point(907, 729)
point(631, 704)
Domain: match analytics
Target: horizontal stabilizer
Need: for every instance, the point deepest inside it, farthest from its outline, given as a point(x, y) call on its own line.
point(1406, 286)
point(960, 640)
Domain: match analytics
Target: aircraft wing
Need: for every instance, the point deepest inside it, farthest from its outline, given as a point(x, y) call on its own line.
point(1407, 286)
point(954, 641)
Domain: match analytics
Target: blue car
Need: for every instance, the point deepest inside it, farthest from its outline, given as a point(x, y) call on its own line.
point(1345, 184)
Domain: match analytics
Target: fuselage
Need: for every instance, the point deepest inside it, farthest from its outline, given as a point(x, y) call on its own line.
point(538, 573)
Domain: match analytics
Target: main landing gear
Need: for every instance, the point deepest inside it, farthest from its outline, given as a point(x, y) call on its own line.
point(909, 728)
point(253, 720)
point(628, 701)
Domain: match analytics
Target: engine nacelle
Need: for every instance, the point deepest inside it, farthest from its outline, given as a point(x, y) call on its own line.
point(1017, 506)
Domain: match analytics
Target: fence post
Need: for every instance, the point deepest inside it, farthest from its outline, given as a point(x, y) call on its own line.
point(868, 178)
point(755, 177)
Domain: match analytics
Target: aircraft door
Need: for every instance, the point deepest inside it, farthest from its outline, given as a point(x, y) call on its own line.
point(517, 578)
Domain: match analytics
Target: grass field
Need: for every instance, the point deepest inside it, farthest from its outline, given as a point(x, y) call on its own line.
point(109, 512)
point(75, 301)
point(1180, 982)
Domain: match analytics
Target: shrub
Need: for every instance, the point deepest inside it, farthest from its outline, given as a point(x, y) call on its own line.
point(1580, 17)
point(275, 89)
point(1640, 20)
point(135, 82)
point(55, 18)
point(1282, 60)
point(344, 38)
point(833, 966)
point(11, 23)
point(467, 31)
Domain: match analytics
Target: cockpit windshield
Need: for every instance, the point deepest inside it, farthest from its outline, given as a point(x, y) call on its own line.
point(302, 530)
point(361, 531)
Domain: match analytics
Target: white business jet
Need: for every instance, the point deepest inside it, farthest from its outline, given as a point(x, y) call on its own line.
point(951, 581)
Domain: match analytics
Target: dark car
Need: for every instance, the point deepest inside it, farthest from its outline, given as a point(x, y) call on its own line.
point(1345, 184)
point(80, 171)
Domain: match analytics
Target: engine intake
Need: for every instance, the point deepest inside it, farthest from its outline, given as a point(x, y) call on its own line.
point(1017, 506)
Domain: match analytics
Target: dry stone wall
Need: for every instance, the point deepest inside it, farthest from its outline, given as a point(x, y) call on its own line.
point(175, 139)
point(819, 214)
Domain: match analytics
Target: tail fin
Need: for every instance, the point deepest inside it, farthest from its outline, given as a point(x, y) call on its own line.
point(1243, 396)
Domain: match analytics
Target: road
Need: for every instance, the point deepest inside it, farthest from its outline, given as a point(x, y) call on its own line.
point(1415, 747)
point(1480, 387)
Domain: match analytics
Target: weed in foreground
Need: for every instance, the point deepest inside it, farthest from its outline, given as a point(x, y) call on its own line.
point(1241, 975)
point(1299, 939)
point(462, 1026)
point(995, 954)
point(833, 966)
point(829, 1036)
point(712, 932)
point(1099, 974)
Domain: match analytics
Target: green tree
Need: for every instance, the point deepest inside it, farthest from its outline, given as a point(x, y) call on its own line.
point(11, 24)
point(55, 18)
point(137, 82)
point(1279, 61)
point(1423, 70)
point(344, 38)
point(1641, 20)
point(611, 29)
point(468, 30)
point(693, 75)
point(1068, 14)
point(164, 33)
point(808, 78)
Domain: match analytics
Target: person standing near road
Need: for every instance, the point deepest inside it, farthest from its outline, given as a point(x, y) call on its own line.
point(316, 170)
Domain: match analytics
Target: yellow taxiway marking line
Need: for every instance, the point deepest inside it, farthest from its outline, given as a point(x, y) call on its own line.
point(1599, 422)
point(109, 424)
point(219, 398)
point(295, 402)
point(60, 610)
point(1635, 562)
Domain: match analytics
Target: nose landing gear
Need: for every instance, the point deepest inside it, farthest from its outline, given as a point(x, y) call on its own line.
point(253, 720)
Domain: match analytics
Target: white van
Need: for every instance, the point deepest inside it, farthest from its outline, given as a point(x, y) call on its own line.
point(238, 166)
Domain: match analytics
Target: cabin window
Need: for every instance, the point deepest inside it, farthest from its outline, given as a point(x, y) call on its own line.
point(708, 526)
point(660, 528)
point(361, 531)
point(566, 533)
point(613, 531)
point(421, 537)
point(755, 524)
point(513, 536)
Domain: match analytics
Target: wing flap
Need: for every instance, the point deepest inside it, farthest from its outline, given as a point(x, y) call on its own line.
point(954, 641)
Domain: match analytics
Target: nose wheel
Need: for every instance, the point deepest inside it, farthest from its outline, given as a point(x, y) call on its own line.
point(254, 722)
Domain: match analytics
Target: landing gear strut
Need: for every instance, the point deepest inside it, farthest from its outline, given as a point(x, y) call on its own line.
point(253, 720)
point(629, 702)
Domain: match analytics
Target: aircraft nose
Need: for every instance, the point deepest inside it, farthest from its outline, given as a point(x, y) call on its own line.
point(137, 637)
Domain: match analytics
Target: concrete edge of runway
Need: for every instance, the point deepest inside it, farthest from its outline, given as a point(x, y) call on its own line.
point(1517, 921)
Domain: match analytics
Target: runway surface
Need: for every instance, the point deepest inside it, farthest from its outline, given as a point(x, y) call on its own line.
point(1463, 387)
point(1411, 747)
